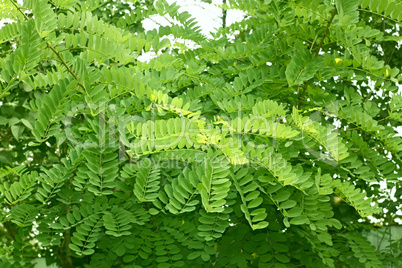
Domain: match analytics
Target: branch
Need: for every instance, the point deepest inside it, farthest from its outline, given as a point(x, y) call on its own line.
point(325, 32)
point(63, 251)
point(65, 65)
point(224, 14)
point(53, 49)
point(316, 54)
point(123, 149)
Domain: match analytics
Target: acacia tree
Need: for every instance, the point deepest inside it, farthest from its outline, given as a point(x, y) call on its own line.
point(263, 146)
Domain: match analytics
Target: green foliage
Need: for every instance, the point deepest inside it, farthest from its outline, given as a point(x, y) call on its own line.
point(147, 183)
point(272, 142)
point(302, 67)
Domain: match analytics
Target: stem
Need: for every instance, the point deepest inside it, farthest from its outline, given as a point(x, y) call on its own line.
point(63, 252)
point(123, 149)
point(224, 14)
point(65, 64)
point(316, 54)
point(325, 32)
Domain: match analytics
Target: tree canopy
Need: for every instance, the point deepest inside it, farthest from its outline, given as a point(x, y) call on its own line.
point(273, 142)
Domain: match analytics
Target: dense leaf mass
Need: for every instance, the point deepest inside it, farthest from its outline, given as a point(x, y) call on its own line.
point(272, 142)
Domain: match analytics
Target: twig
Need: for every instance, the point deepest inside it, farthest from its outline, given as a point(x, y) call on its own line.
point(325, 32)
point(224, 14)
point(123, 149)
point(316, 54)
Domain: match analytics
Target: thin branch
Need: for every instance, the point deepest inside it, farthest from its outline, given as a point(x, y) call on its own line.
point(123, 149)
point(224, 14)
point(378, 14)
point(53, 49)
point(316, 54)
point(66, 65)
point(325, 32)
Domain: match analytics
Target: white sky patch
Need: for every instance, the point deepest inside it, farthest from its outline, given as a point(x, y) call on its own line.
point(208, 17)
point(154, 22)
point(4, 21)
point(399, 130)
